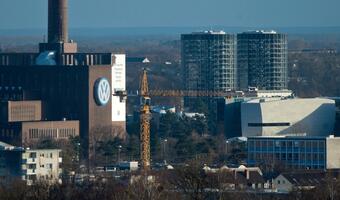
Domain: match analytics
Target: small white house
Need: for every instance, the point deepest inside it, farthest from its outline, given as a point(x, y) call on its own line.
point(303, 180)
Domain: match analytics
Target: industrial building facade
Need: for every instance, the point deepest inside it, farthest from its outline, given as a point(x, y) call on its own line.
point(67, 92)
point(209, 61)
point(262, 60)
point(294, 152)
point(119, 103)
point(59, 86)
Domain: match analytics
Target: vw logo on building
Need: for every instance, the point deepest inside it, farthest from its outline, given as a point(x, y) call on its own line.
point(102, 91)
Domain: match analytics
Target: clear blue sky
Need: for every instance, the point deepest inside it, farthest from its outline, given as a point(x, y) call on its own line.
point(147, 13)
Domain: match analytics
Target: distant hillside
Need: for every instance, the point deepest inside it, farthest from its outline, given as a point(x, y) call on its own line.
point(142, 31)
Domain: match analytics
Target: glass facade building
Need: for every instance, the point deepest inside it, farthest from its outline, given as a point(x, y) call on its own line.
point(293, 152)
point(262, 58)
point(209, 61)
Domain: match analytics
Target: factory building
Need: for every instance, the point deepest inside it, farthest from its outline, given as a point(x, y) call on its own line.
point(22, 124)
point(262, 60)
point(71, 86)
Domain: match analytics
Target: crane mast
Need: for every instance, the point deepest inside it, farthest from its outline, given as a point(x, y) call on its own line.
point(145, 113)
point(145, 102)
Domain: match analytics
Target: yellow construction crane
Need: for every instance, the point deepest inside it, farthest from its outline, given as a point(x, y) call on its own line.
point(145, 102)
point(145, 113)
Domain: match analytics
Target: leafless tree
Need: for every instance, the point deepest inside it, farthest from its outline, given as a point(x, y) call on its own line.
point(191, 180)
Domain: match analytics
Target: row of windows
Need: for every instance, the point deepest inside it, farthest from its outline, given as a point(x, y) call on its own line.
point(43, 155)
point(24, 112)
point(85, 59)
point(268, 124)
point(301, 157)
point(8, 133)
point(263, 144)
point(51, 133)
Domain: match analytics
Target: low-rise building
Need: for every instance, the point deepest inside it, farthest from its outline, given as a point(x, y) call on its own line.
point(30, 165)
point(302, 180)
point(21, 124)
point(294, 152)
point(29, 134)
point(278, 117)
point(241, 177)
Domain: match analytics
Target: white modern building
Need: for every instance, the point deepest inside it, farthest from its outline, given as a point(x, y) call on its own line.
point(17, 163)
point(119, 103)
point(280, 117)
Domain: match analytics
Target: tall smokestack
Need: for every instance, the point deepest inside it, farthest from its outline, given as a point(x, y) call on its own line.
point(57, 21)
point(58, 29)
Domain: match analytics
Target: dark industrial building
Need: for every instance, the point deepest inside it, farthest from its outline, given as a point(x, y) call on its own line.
point(69, 85)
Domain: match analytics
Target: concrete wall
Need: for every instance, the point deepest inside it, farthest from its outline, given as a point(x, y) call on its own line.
point(99, 116)
point(118, 84)
point(332, 153)
point(312, 117)
point(33, 132)
point(45, 166)
point(19, 111)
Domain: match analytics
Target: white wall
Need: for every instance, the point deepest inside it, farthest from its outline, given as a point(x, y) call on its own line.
point(281, 184)
point(333, 156)
point(45, 159)
point(118, 83)
point(312, 117)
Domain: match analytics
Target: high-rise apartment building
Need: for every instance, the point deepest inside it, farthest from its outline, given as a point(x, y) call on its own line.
point(208, 61)
point(262, 58)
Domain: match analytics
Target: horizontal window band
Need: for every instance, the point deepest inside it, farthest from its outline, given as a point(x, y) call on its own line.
point(268, 124)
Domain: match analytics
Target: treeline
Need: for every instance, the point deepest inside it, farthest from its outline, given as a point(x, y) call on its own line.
point(313, 75)
point(189, 181)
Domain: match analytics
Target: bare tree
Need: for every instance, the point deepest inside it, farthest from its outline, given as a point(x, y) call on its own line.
point(191, 180)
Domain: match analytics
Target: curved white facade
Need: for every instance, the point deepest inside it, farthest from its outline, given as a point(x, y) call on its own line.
point(310, 117)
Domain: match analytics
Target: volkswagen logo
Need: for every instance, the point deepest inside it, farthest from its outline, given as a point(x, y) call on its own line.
point(102, 91)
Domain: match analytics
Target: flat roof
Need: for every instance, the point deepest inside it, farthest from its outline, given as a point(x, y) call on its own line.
point(260, 32)
point(7, 147)
point(293, 137)
point(210, 32)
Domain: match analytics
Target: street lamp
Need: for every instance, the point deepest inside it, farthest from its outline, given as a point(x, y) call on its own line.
point(164, 150)
point(227, 147)
point(119, 150)
point(78, 151)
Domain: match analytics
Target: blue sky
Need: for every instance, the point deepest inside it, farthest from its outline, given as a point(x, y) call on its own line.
point(175, 13)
